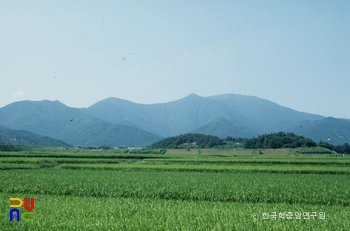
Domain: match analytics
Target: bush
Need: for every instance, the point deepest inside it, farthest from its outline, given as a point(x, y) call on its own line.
point(9, 148)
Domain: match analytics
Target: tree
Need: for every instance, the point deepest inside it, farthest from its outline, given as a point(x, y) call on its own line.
point(346, 148)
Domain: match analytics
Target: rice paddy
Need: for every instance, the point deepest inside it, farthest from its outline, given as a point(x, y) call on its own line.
point(114, 191)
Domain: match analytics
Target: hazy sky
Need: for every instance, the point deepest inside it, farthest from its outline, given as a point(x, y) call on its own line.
point(294, 53)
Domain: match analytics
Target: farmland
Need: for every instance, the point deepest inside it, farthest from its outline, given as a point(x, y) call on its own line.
point(180, 190)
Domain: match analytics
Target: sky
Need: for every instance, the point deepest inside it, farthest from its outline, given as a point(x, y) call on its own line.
point(295, 53)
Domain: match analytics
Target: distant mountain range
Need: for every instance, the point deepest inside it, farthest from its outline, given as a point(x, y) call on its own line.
point(28, 138)
point(117, 122)
point(71, 125)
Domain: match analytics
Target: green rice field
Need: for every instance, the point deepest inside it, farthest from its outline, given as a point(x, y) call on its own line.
point(109, 190)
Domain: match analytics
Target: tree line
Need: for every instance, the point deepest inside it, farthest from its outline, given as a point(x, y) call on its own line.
point(279, 140)
point(266, 141)
point(345, 148)
point(188, 140)
point(273, 140)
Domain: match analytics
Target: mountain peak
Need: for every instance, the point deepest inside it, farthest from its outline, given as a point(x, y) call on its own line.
point(192, 96)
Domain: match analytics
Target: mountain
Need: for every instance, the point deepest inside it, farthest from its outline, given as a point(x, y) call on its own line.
point(222, 115)
point(118, 111)
point(193, 112)
point(29, 138)
point(71, 125)
point(268, 116)
point(166, 119)
point(330, 130)
point(222, 128)
point(115, 122)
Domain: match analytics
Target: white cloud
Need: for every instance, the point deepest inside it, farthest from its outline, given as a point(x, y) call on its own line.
point(18, 94)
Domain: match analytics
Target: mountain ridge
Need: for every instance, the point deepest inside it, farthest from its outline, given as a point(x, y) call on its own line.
point(71, 125)
point(113, 121)
point(28, 138)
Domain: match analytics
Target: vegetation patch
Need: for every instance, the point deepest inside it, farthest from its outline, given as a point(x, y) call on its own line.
point(189, 190)
point(278, 140)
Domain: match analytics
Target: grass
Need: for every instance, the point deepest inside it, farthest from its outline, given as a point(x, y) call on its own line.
point(231, 187)
point(263, 161)
point(301, 169)
point(96, 213)
point(105, 190)
point(18, 166)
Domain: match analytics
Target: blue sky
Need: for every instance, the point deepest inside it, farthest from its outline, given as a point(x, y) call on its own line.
point(294, 53)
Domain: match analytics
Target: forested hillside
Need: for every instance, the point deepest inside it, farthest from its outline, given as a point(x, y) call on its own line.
point(266, 141)
point(279, 140)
